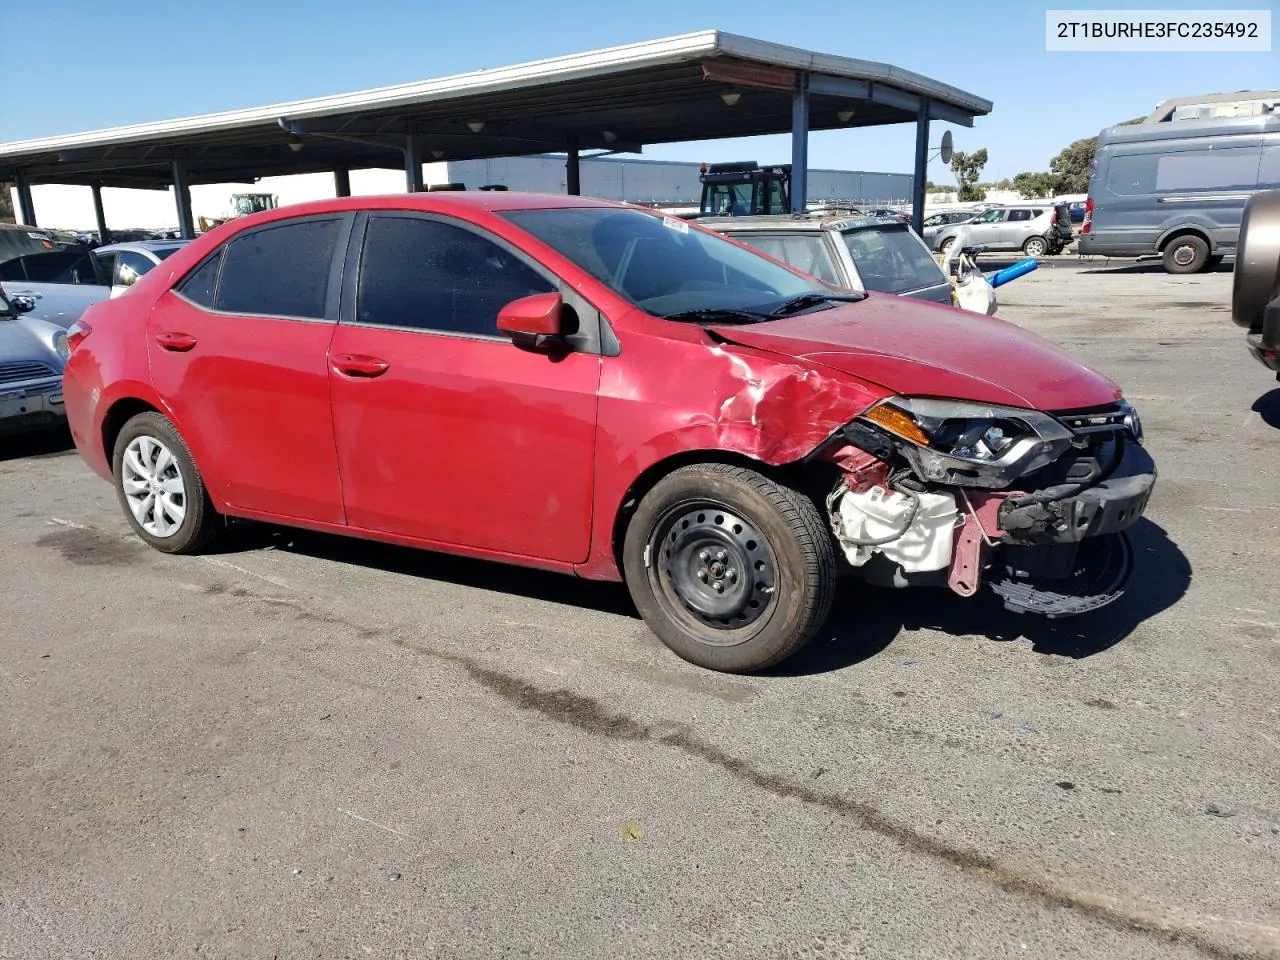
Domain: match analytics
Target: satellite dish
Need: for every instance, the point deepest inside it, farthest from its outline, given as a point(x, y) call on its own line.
point(946, 147)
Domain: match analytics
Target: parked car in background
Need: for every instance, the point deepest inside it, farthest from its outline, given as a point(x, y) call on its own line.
point(63, 283)
point(32, 355)
point(1034, 228)
point(17, 240)
point(1176, 188)
point(859, 253)
point(597, 389)
point(936, 221)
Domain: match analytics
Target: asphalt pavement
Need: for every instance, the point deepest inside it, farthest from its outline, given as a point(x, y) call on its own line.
point(307, 746)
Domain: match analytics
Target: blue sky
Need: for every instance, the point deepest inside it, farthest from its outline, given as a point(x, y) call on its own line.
point(88, 66)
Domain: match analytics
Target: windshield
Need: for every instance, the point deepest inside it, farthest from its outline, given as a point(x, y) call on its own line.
point(891, 260)
point(663, 265)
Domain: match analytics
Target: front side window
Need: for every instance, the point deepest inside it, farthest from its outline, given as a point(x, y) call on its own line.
point(991, 216)
point(890, 259)
point(129, 266)
point(279, 271)
point(663, 265)
point(806, 252)
point(430, 275)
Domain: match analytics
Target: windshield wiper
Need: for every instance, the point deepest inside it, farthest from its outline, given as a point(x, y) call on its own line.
point(719, 315)
point(813, 299)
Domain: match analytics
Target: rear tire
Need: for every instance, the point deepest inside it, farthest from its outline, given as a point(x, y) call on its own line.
point(732, 571)
point(1186, 254)
point(159, 488)
point(1036, 247)
point(946, 244)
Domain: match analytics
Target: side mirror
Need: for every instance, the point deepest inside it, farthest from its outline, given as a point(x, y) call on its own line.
point(534, 321)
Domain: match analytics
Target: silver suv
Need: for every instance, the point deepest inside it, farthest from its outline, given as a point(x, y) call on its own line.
point(1034, 228)
point(858, 253)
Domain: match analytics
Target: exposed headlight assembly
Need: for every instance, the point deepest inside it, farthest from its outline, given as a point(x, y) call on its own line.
point(970, 444)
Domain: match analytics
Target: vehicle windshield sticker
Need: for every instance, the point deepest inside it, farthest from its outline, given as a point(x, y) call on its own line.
point(39, 236)
point(675, 223)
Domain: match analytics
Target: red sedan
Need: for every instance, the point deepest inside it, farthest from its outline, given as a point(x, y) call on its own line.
point(597, 389)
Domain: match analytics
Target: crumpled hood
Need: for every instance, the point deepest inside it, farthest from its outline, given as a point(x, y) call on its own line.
point(918, 349)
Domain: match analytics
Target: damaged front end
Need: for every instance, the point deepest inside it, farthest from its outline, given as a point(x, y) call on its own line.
point(955, 493)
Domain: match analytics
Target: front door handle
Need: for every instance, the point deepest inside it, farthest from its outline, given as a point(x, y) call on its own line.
point(358, 365)
point(177, 342)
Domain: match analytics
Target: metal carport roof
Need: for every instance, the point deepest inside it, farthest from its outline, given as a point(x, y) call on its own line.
point(620, 98)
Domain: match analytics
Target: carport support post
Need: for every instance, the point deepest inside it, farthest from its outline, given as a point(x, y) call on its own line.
point(342, 181)
point(922, 167)
point(412, 164)
point(800, 146)
point(182, 196)
point(573, 170)
point(104, 235)
point(26, 208)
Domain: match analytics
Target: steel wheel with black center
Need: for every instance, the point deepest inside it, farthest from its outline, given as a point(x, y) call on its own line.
point(732, 570)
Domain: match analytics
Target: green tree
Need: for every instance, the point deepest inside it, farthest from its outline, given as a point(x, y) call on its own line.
point(6, 203)
point(968, 167)
point(1072, 165)
point(1031, 185)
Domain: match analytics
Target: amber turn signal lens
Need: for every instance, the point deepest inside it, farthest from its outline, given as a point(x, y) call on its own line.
point(895, 421)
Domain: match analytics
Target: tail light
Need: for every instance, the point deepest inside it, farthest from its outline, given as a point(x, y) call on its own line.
point(76, 334)
point(1088, 216)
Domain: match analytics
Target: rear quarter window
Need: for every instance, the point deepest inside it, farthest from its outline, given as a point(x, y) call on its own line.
point(1208, 170)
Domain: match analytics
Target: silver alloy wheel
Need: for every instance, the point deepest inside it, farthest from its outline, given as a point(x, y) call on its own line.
point(1035, 247)
point(153, 486)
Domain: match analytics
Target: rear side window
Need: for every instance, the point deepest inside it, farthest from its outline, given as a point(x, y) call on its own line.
point(435, 276)
point(1019, 215)
point(199, 287)
point(1234, 167)
point(806, 252)
point(279, 271)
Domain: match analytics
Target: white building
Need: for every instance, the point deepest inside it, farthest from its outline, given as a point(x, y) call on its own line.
point(66, 207)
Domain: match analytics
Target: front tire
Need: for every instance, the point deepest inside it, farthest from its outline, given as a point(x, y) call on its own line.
point(733, 571)
point(159, 488)
point(1186, 254)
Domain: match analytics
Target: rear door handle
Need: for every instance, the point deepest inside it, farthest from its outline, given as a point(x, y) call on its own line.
point(358, 365)
point(178, 342)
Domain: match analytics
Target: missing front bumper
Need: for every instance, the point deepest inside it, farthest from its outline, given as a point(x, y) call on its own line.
point(1111, 506)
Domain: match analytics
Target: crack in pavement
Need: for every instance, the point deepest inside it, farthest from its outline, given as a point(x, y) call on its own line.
point(573, 709)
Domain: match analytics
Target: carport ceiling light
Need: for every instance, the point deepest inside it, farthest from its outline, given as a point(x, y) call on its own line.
point(475, 125)
point(731, 98)
point(844, 115)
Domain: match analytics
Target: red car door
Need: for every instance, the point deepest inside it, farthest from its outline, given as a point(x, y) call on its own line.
point(238, 350)
point(446, 430)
